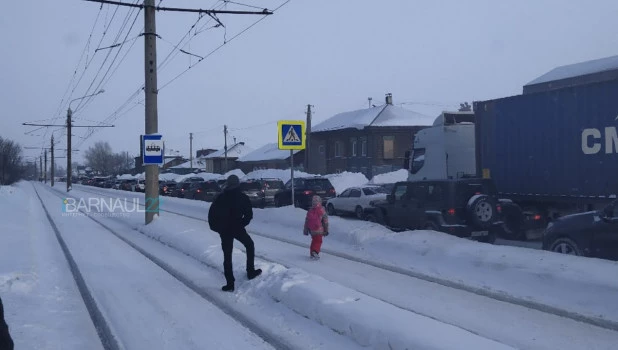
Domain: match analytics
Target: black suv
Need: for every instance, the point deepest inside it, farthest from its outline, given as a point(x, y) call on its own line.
point(461, 207)
point(261, 192)
point(304, 189)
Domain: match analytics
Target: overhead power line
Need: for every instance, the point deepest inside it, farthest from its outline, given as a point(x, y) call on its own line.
point(176, 9)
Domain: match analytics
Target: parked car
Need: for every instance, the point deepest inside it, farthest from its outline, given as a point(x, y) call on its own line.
point(592, 234)
point(208, 191)
point(466, 207)
point(355, 200)
point(140, 186)
point(261, 192)
point(304, 190)
point(181, 188)
point(128, 185)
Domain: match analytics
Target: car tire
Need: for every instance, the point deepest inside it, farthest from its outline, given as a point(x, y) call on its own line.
point(360, 213)
point(431, 226)
point(481, 210)
point(330, 209)
point(565, 245)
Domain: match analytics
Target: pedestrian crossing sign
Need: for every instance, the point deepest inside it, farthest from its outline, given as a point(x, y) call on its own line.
point(291, 134)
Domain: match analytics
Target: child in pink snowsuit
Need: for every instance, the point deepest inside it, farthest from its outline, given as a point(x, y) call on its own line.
point(316, 225)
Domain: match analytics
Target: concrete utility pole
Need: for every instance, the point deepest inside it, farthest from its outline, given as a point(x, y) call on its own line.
point(307, 138)
point(45, 166)
point(152, 119)
point(225, 147)
point(40, 168)
point(69, 151)
point(52, 161)
point(191, 149)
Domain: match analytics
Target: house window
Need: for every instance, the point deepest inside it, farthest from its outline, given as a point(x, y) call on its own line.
point(353, 146)
point(338, 149)
point(364, 147)
point(389, 147)
point(321, 149)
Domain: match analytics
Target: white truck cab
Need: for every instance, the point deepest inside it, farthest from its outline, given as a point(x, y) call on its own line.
point(445, 150)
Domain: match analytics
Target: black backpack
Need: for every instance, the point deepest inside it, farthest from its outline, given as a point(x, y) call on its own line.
point(218, 214)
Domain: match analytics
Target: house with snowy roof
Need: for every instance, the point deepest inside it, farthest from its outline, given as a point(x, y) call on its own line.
point(593, 71)
point(371, 141)
point(270, 157)
point(220, 162)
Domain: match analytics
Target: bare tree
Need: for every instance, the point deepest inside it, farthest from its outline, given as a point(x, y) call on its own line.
point(11, 167)
point(100, 158)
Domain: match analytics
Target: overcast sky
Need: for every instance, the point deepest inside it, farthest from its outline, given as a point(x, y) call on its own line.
point(333, 54)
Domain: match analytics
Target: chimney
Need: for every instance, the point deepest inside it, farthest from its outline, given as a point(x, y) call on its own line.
point(389, 99)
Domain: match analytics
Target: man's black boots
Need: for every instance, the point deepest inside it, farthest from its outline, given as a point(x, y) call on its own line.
point(253, 274)
point(228, 287)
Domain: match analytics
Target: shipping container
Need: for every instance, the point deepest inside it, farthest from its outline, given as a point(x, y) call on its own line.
point(559, 145)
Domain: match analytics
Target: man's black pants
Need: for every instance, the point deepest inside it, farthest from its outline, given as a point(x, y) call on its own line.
point(227, 244)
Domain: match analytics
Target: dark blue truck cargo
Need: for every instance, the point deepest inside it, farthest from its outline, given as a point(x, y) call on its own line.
point(552, 149)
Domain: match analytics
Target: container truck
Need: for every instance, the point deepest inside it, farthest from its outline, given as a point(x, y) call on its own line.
point(550, 153)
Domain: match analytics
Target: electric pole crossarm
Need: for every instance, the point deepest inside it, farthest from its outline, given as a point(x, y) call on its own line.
point(263, 12)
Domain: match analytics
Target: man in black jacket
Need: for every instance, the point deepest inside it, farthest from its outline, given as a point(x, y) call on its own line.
point(6, 342)
point(229, 214)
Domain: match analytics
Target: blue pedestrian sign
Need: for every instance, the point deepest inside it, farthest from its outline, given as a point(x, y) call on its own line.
point(152, 149)
point(291, 134)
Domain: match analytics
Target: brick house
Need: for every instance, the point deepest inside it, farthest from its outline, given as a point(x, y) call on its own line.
point(371, 141)
point(270, 157)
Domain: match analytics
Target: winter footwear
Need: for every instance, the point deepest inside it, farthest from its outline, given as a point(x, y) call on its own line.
point(254, 274)
point(315, 255)
point(228, 287)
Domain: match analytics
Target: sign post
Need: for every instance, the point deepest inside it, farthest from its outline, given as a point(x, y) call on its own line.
point(153, 151)
point(291, 136)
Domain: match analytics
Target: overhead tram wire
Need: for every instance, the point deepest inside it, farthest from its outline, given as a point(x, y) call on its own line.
point(117, 114)
point(219, 47)
point(85, 101)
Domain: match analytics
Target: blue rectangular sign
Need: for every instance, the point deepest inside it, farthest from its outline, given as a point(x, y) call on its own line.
point(153, 150)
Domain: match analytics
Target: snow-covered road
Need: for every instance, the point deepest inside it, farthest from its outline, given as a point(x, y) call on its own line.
point(505, 323)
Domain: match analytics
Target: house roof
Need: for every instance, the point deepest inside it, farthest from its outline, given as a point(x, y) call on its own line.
point(380, 116)
point(237, 150)
point(578, 69)
point(197, 163)
point(269, 151)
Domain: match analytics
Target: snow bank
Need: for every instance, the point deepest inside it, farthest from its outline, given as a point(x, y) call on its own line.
point(236, 172)
point(168, 177)
point(345, 180)
point(583, 286)
point(205, 176)
point(392, 177)
point(368, 321)
point(125, 177)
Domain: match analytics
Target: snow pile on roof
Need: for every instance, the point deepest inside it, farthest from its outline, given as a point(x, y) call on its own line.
point(345, 180)
point(283, 174)
point(392, 177)
point(205, 176)
point(236, 151)
point(270, 151)
point(197, 163)
point(385, 115)
point(168, 177)
point(578, 69)
point(236, 172)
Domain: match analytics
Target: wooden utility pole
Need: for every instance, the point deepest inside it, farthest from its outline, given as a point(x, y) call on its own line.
point(225, 147)
point(40, 167)
point(308, 138)
point(191, 150)
point(152, 119)
point(52, 161)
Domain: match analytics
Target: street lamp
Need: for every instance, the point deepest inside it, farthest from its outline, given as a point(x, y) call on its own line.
point(69, 115)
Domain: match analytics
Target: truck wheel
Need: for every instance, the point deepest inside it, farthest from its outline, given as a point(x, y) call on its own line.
point(565, 245)
point(513, 227)
point(481, 211)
